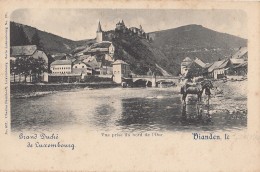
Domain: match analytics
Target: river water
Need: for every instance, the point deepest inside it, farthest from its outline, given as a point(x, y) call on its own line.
point(116, 109)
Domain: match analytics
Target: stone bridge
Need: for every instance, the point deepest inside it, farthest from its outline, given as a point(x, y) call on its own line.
point(155, 79)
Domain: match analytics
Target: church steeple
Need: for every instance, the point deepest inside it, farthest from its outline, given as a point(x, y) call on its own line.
point(99, 37)
point(99, 29)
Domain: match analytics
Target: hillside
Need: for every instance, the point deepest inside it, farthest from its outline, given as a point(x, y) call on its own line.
point(140, 54)
point(196, 41)
point(51, 43)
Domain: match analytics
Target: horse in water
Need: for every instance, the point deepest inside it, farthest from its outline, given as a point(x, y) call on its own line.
point(196, 88)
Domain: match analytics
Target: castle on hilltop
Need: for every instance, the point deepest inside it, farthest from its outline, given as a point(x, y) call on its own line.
point(122, 29)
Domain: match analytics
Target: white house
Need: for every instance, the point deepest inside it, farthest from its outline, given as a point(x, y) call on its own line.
point(61, 66)
point(120, 70)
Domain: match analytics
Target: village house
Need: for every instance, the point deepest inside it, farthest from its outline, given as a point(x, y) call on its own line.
point(27, 51)
point(80, 67)
point(192, 68)
point(92, 62)
point(219, 68)
point(106, 68)
point(239, 63)
point(61, 67)
point(104, 47)
point(120, 70)
point(196, 68)
point(242, 53)
point(239, 70)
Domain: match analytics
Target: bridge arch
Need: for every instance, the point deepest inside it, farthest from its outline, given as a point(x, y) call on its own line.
point(155, 79)
point(146, 79)
point(144, 82)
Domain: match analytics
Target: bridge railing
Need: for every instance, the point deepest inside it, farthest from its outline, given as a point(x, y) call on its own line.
point(159, 77)
point(141, 76)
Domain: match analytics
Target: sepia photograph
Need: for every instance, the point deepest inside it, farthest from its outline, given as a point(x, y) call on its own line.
point(129, 85)
point(128, 70)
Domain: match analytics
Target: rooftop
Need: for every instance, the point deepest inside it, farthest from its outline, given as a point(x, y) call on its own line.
point(199, 62)
point(242, 51)
point(242, 65)
point(187, 59)
point(25, 50)
point(62, 62)
point(93, 64)
point(224, 64)
point(217, 65)
point(81, 61)
point(119, 62)
point(60, 57)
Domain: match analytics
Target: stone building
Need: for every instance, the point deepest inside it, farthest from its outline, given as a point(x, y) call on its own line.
point(120, 70)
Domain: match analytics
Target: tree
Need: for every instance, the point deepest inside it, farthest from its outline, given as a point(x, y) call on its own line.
point(27, 67)
point(18, 64)
point(40, 66)
point(36, 40)
point(13, 68)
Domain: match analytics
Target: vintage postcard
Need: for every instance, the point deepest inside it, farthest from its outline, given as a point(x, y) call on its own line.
point(130, 86)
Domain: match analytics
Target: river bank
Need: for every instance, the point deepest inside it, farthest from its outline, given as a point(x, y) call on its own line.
point(230, 97)
point(25, 90)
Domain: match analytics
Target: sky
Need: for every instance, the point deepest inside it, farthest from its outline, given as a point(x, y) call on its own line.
point(79, 24)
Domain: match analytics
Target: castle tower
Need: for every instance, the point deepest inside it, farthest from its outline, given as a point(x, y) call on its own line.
point(141, 28)
point(123, 24)
point(99, 37)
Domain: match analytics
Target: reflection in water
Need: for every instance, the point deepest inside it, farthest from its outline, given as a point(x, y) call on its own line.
point(129, 109)
point(195, 115)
